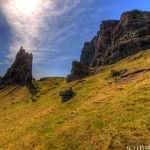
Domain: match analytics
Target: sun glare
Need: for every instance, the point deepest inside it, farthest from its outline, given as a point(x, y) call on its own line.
point(27, 6)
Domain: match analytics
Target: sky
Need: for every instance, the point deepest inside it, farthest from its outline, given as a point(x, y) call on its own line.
point(54, 30)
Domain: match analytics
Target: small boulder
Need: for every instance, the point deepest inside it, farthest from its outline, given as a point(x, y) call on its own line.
point(122, 71)
point(115, 73)
point(66, 94)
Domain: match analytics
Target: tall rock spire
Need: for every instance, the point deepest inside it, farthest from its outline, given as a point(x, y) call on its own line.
point(21, 69)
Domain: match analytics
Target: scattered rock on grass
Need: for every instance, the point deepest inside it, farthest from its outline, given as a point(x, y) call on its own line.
point(115, 73)
point(66, 94)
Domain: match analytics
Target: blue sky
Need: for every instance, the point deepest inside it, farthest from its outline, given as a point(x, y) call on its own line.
point(54, 30)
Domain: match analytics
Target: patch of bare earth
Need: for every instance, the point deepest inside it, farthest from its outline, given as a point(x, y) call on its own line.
point(130, 76)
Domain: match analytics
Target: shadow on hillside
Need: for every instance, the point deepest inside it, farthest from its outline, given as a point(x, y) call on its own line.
point(33, 89)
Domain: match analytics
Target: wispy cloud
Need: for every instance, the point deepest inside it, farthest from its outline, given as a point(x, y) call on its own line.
point(32, 27)
point(53, 30)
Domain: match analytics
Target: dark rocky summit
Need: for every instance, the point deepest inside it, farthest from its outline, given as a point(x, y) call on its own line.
point(21, 70)
point(117, 39)
point(66, 94)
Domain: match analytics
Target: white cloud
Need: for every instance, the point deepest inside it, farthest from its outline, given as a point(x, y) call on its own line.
point(32, 23)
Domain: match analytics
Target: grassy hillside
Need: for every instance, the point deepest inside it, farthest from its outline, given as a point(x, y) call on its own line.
point(105, 113)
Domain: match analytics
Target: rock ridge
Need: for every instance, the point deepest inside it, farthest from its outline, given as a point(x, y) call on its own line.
point(118, 39)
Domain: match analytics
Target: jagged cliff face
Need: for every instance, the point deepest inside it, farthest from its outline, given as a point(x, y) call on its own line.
point(88, 52)
point(118, 39)
point(21, 69)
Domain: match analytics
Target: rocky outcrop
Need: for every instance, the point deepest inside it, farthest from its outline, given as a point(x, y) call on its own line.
point(78, 71)
point(115, 73)
point(20, 71)
point(118, 39)
point(88, 52)
point(66, 94)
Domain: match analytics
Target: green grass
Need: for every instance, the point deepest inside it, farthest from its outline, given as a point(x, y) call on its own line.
point(103, 115)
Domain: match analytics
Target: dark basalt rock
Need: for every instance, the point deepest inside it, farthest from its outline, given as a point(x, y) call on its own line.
point(66, 94)
point(88, 52)
point(21, 70)
point(118, 39)
point(115, 73)
point(1, 81)
point(78, 71)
